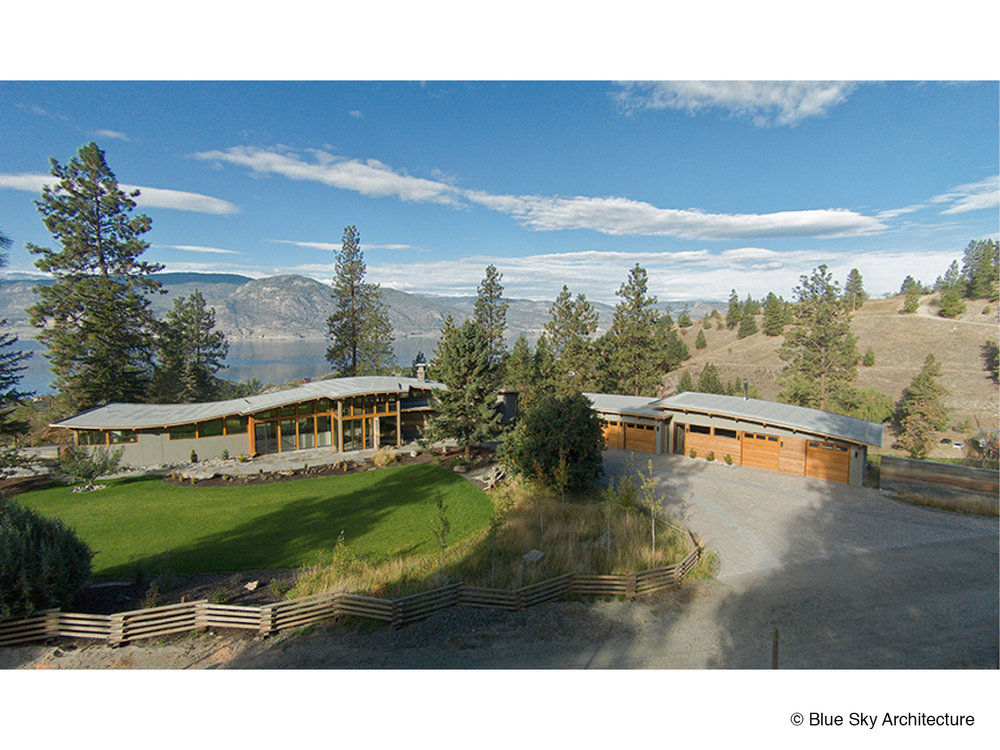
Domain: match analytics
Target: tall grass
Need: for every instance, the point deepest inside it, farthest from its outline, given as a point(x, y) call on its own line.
point(581, 535)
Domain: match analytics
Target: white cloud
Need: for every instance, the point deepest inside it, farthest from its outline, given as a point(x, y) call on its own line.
point(357, 114)
point(765, 103)
point(971, 197)
point(149, 197)
point(201, 249)
point(369, 177)
point(339, 245)
point(112, 134)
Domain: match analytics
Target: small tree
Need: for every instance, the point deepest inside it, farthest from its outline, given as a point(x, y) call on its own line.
point(686, 383)
point(869, 359)
point(440, 526)
point(709, 381)
point(684, 321)
point(921, 410)
point(748, 327)
point(700, 342)
point(84, 466)
point(735, 312)
point(911, 298)
point(952, 305)
point(650, 499)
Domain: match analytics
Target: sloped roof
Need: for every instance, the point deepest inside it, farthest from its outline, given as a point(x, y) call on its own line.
point(637, 406)
point(773, 413)
point(138, 416)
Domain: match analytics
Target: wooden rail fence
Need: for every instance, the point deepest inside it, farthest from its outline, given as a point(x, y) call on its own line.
point(123, 627)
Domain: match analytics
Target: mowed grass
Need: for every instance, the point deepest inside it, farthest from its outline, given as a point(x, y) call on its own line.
point(150, 525)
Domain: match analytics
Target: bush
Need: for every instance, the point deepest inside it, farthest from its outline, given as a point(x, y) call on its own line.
point(558, 441)
point(194, 456)
point(383, 458)
point(869, 358)
point(84, 466)
point(710, 456)
point(729, 459)
point(42, 563)
point(225, 454)
point(693, 453)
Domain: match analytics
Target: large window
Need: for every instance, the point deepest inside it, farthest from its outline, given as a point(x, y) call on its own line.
point(722, 432)
point(116, 437)
point(306, 436)
point(182, 432)
point(210, 429)
point(287, 427)
point(236, 425)
point(90, 437)
point(324, 433)
point(699, 429)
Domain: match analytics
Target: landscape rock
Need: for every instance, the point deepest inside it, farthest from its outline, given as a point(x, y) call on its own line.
point(530, 558)
point(252, 586)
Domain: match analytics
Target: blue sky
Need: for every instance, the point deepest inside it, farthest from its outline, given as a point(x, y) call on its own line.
point(709, 186)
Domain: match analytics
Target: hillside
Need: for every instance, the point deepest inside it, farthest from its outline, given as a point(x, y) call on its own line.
point(900, 342)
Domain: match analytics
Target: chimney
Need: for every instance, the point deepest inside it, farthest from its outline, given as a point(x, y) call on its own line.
point(745, 389)
point(421, 371)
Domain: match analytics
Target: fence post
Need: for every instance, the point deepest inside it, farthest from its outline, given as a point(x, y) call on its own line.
point(117, 634)
point(52, 623)
point(630, 586)
point(397, 615)
point(267, 620)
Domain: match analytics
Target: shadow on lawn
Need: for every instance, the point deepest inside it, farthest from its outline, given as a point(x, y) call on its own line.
point(303, 531)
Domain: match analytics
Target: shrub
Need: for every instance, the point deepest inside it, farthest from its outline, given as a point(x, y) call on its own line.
point(383, 458)
point(42, 563)
point(729, 459)
point(194, 456)
point(558, 441)
point(710, 456)
point(869, 358)
point(84, 466)
point(225, 454)
point(243, 458)
point(693, 453)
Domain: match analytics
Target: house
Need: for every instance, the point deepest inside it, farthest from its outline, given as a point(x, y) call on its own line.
point(751, 432)
point(343, 414)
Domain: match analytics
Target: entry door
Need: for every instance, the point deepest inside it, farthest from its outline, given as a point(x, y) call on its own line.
point(265, 438)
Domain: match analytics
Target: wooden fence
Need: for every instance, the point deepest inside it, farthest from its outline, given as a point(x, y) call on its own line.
point(123, 627)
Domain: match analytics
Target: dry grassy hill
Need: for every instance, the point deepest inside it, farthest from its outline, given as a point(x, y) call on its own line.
point(900, 343)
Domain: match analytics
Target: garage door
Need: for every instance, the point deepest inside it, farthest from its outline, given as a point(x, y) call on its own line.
point(762, 451)
point(613, 435)
point(640, 437)
point(830, 461)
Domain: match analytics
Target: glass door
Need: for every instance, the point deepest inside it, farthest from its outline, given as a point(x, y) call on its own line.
point(265, 438)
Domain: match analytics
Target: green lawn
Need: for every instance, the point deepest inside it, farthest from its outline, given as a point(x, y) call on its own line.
point(150, 523)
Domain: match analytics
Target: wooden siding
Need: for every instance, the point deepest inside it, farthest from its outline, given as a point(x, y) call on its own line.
point(830, 461)
point(720, 445)
point(793, 456)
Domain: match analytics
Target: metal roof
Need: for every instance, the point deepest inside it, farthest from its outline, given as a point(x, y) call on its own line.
point(138, 416)
point(637, 406)
point(780, 415)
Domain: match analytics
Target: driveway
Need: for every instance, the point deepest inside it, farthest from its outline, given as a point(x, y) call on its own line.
point(759, 520)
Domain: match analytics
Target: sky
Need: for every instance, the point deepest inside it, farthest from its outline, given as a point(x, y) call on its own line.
point(709, 186)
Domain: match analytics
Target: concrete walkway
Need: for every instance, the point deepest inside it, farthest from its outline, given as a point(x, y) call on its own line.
point(758, 520)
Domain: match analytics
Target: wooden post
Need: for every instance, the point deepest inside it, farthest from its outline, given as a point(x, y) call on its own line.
point(339, 447)
point(266, 620)
point(774, 650)
point(117, 636)
point(630, 586)
point(52, 623)
point(399, 426)
point(250, 439)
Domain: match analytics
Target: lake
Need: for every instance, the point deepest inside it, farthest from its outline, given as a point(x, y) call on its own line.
point(269, 361)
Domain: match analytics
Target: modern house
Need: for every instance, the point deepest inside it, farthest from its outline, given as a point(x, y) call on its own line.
point(780, 437)
point(342, 413)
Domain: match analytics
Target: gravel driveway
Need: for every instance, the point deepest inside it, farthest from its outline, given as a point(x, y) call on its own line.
point(759, 520)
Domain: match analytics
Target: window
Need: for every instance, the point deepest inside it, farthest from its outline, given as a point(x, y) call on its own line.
point(210, 429)
point(269, 414)
point(306, 433)
point(324, 435)
point(236, 425)
point(309, 407)
point(287, 428)
point(699, 429)
point(288, 411)
point(772, 439)
point(722, 432)
point(182, 432)
point(117, 437)
point(90, 437)
point(325, 405)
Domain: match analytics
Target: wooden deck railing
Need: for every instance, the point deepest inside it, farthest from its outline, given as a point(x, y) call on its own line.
point(271, 618)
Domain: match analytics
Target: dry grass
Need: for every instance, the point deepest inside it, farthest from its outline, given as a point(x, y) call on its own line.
point(966, 504)
point(568, 533)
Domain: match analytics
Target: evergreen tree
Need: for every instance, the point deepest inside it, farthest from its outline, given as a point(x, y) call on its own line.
point(700, 342)
point(748, 327)
point(465, 412)
point(921, 410)
point(911, 300)
point(869, 358)
point(12, 365)
point(490, 313)
point(189, 352)
point(862, 403)
point(546, 367)
point(735, 312)
point(520, 371)
point(952, 279)
point(635, 357)
point(419, 359)
point(359, 328)
point(684, 321)
point(951, 304)
point(673, 350)
point(820, 348)
point(570, 326)
point(750, 306)
point(854, 291)
point(980, 269)
point(709, 381)
point(685, 383)
point(774, 316)
point(95, 319)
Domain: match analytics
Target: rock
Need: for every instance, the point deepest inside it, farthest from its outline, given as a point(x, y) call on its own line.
point(460, 468)
point(532, 557)
point(604, 540)
point(413, 454)
point(252, 586)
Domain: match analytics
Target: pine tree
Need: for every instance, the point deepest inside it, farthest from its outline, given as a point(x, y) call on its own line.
point(685, 383)
point(869, 358)
point(911, 300)
point(520, 371)
point(546, 367)
point(952, 279)
point(570, 326)
point(951, 304)
point(980, 268)
point(359, 328)
point(709, 381)
point(774, 316)
point(673, 350)
point(189, 352)
point(921, 410)
point(635, 357)
point(854, 291)
point(748, 327)
point(466, 412)
point(490, 313)
point(735, 312)
point(700, 342)
point(95, 318)
point(750, 306)
point(684, 321)
point(820, 348)
point(12, 365)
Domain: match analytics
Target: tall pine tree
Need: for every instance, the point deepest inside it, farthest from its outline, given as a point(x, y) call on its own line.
point(94, 318)
point(854, 290)
point(820, 348)
point(774, 315)
point(980, 268)
point(735, 312)
point(921, 410)
point(189, 352)
point(634, 356)
point(490, 312)
point(12, 365)
point(359, 328)
point(571, 324)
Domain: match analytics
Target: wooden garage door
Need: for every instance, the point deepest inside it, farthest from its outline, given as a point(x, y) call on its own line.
point(640, 437)
point(613, 435)
point(762, 451)
point(830, 461)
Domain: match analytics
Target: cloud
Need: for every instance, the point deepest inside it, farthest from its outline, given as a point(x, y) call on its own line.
point(370, 177)
point(357, 114)
point(149, 197)
point(971, 197)
point(765, 103)
point(112, 134)
point(201, 249)
point(339, 245)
